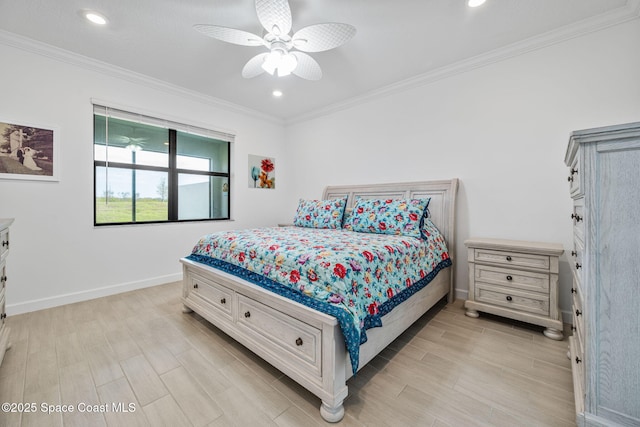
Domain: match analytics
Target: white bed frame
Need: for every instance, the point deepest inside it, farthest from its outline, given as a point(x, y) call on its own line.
point(303, 343)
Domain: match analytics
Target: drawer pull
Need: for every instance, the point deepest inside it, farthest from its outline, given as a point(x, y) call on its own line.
point(223, 301)
point(577, 217)
point(508, 257)
point(573, 328)
point(5, 243)
point(573, 290)
point(570, 179)
point(578, 360)
point(299, 342)
point(3, 279)
point(578, 266)
point(247, 314)
point(574, 253)
point(574, 171)
point(195, 286)
point(509, 278)
point(578, 313)
point(3, 316)
point(509, 298)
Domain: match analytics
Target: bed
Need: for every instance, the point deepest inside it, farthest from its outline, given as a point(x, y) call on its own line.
point(305, 339)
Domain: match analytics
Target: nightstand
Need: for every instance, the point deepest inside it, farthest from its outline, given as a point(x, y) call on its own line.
point(515, 279)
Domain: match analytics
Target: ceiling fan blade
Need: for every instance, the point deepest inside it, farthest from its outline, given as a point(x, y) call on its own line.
point(253, 67)
point(307, 67)
point(230, 35)
point(321, 37)
point(275, 16)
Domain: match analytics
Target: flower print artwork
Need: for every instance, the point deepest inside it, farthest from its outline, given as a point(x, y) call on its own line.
point(262, 172)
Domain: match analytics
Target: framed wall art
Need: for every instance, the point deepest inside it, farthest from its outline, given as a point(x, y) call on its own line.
point(28, 151)
point(262, 172)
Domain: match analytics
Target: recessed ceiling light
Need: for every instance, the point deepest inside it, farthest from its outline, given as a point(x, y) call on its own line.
point(475, 3)
point(95, 17)
point(277, 93)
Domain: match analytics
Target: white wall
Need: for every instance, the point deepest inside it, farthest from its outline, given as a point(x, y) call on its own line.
point(57, 255)
point(502, 129)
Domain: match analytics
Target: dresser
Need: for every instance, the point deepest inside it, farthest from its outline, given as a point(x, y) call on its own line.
point(515, 279)
point(604, 183)
point(4, 251)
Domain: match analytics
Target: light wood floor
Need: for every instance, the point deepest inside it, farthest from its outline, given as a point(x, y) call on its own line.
point(174, 369)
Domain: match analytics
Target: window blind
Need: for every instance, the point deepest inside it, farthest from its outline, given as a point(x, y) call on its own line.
point(159, 122)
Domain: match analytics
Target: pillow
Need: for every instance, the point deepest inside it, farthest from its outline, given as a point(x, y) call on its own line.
point(402, 216)
point(320, 213)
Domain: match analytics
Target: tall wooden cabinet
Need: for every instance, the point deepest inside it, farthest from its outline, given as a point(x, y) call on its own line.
point(4, 251)
point(604, 181)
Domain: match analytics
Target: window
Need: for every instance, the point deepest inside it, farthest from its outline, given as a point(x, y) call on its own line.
point(152, 170)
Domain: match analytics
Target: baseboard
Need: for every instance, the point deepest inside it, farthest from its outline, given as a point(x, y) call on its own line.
point(58, 300)
point(461, 294)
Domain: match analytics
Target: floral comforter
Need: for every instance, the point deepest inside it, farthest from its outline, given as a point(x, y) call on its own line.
point(356, 277)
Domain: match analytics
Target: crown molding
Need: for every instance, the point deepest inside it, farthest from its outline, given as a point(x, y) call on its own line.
point(626, 13)
point(62, 55)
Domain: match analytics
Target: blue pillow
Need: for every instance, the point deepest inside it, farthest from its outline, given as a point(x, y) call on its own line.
point(320, 213)
point(399, 217)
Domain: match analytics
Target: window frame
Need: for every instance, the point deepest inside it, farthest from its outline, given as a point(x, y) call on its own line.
point(172, 171)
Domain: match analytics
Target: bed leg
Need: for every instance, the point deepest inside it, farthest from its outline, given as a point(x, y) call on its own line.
point(186, 309)
point(332, 414)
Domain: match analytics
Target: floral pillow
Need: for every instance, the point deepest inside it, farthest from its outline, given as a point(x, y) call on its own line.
point(320, 213)
point(402, 216)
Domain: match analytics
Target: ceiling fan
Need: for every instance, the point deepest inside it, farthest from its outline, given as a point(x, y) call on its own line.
point(133, 144)
point(286, 52)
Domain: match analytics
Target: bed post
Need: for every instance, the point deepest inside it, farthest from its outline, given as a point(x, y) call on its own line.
point(450, 235)
point(334, 378)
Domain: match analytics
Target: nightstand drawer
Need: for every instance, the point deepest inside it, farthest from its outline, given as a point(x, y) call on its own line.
point(516, 259)
point(514, 299)
point(512, 278)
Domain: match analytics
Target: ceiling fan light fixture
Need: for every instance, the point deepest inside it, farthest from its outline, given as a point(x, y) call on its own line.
point(288, 63)
point(275, 18)
point(272, 61)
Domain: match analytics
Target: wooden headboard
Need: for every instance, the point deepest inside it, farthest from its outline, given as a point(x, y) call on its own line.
point(441, 208)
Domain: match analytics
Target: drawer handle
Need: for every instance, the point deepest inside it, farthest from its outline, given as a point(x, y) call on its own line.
point(578, 360)
point(299, 342)
point(570, 179)
point(508, 257)
point(578, 313)
point(573, 290)
point(574, 171)
point(3, 316)
point(577, 217)
point(223, 301)
point(509, 278)
point(573, 328)
point(195, 286)
point(509, 298)
point(3, 279)
point(247, 314)
point(5, 243)
point(574, 253)
point(578, 266)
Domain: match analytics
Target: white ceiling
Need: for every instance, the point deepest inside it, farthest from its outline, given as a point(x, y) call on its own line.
point(397, 42)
